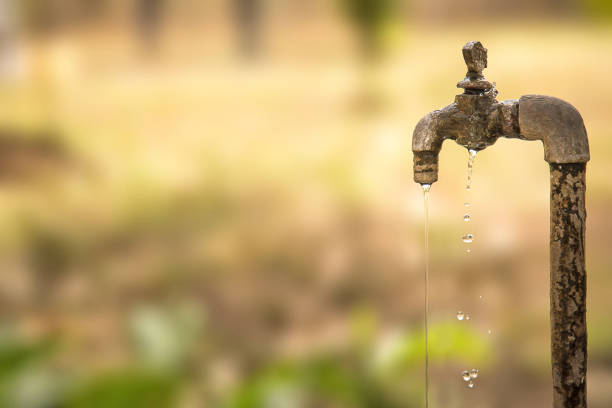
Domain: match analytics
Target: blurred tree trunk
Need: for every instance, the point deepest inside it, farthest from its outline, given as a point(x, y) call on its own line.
point(149, 15)
point(8, 38)
point(369, 18)
point(247, 14)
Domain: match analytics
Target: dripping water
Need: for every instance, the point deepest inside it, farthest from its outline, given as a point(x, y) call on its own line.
point(468, 238)
point(471, 158)
point(426, 188)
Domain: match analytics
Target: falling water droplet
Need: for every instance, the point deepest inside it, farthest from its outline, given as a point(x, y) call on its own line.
point(426, 187)
point(470, 166)
point(468, 238)
point(465, 375)
point(467, 317)
point(460, 315)
point(468, 250)
point(471, 384)
point(480, 297)
point(466, 204)
point(489, 331)
point(474, 373)
point(467, 218)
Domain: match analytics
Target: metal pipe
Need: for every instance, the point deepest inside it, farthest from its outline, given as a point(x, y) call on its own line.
point(476, 120)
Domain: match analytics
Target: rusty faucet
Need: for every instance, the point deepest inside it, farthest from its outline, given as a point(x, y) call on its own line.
point(476, 120)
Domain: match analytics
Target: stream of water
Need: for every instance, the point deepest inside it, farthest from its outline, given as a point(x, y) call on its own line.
point(468, 375)
point(426, 188)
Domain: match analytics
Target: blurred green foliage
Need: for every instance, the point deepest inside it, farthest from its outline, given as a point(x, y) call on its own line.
point(383, 374)
point(369, 18)
point(598, 8)
point(371, 374)
point(131, 388)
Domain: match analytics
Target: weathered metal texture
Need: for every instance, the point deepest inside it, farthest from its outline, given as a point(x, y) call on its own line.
point(475, 56)
point(568, 284)
point(476, 120)
point(473, 121)
point(558, 124)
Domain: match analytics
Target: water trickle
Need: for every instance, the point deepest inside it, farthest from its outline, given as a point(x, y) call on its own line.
point(426, 188)
point(468, 376)
point(468, 238)
point(472, 153)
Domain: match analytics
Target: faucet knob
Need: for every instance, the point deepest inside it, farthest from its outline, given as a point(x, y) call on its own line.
point(475, 56)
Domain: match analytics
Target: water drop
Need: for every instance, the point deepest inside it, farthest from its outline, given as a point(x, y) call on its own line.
point(426, 187)
point(465, 375)
point(470, 166)
point(467, 317)
point(466, 204)
point(480, 297)
point(474, 373)
point(471, 384)
point(489, 331)
point(460, 315)
point(468, 238)
point(468, 250)
point(467, 218)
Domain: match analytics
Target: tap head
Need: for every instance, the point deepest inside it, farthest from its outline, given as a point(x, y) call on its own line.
point(475, 56)
point(474, 83)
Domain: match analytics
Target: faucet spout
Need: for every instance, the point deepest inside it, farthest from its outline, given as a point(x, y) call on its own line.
point(426, 144)
point(473, 121)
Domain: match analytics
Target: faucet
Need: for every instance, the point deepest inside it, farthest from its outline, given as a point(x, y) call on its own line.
point(476, 120)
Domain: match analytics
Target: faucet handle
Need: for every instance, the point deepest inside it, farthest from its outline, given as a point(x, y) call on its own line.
point(475, 56)
point(474, 83)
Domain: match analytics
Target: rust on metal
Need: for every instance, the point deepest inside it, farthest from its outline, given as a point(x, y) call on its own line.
point(476, 120)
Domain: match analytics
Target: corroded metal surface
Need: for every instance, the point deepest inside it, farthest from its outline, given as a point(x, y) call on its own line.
point(558, 124)
point(476, 120)
point(568, 285)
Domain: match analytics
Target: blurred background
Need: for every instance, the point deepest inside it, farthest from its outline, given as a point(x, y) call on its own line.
point(210, 203)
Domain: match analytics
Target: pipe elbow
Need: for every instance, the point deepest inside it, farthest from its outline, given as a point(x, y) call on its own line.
point(557, 124)
point(426, 144)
